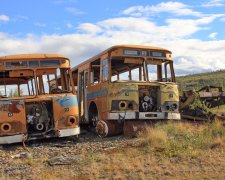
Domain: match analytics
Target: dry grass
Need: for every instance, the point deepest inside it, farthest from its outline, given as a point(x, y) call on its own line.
point(165, 151)
point(183, 139)
point(153, 137)
point(220, 109)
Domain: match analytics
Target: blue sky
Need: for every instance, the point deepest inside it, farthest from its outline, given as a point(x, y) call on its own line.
point(193, 30)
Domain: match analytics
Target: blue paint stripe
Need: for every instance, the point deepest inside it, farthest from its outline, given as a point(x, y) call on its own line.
point(67, 101)
point(102, 92)
point(4, 102)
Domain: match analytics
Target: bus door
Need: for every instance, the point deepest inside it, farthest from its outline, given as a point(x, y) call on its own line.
point(82, 95)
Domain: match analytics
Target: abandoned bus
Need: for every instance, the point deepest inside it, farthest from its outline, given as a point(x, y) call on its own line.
point(126, 86)
point(31, 107)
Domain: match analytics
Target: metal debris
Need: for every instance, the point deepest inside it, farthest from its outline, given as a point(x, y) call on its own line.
point(22, 155)
point(61, 160)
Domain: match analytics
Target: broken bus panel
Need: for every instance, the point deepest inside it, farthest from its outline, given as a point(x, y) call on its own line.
point(30, 106)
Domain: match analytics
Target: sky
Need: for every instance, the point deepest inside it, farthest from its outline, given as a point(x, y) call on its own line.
point(79, 29)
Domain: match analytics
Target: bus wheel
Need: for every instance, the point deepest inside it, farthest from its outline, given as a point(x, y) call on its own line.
point(102, 129)
point(109, 128)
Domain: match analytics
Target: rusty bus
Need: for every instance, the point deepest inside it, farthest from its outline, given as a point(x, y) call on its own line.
point(30, 106)
point(126, 86)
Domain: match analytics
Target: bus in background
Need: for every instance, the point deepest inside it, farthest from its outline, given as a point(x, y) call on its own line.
point(125, 87)
point(31, 107)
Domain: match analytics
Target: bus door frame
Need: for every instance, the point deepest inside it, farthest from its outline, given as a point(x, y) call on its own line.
point(82, 95)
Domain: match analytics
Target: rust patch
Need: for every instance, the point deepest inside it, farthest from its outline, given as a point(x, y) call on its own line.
point(15, 127)
point(14, 107)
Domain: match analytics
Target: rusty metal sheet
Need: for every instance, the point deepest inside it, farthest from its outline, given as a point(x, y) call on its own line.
point(211, 94)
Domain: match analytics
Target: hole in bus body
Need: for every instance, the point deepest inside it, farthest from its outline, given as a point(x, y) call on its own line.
point(39, 118)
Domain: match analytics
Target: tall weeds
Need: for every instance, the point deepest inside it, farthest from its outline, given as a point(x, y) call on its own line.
point(183, 139)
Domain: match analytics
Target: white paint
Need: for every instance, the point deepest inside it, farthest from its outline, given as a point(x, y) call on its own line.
point(69, 132)
point(11, 139)
point(122, 115)
point(144, 115)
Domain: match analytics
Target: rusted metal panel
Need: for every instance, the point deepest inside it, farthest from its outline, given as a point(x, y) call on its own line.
point(98, 94)
point(12, 117)
point(67, 111)
point(31, 56)
point(24, 73)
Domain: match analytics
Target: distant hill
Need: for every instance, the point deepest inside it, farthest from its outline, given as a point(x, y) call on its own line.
point(216, 78)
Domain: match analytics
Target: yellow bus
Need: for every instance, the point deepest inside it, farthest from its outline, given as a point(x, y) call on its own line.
point(126, 86)
point(30, 106)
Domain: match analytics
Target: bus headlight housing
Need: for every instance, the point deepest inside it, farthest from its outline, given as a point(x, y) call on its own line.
point(123, 105)
point(170, 106)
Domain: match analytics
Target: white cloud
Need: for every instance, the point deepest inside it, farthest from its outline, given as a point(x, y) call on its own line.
point(4, 18)
point(89, 28)
point(173, 29)
point(74, 11)
point(213, 35)
point(190, 55)
point(176, 8)
point(213, 3)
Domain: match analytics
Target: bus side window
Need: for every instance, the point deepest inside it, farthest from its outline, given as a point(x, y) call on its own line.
point(95, 72)
point(105, 70)
point(94, 78)
point(167, 72)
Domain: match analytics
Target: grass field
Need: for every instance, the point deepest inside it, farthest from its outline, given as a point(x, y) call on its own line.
point(198, 81)
point(175, 150)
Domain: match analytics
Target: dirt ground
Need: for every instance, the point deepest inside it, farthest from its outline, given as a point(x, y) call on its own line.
point(91, 157)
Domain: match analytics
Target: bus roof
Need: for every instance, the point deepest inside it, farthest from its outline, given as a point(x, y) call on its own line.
point(121, 46)
point(31, 57)
point(139, 47)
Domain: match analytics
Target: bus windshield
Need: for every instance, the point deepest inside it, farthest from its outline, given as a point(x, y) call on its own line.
point(32, 78)
point(160, 71)
point(142, 70)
